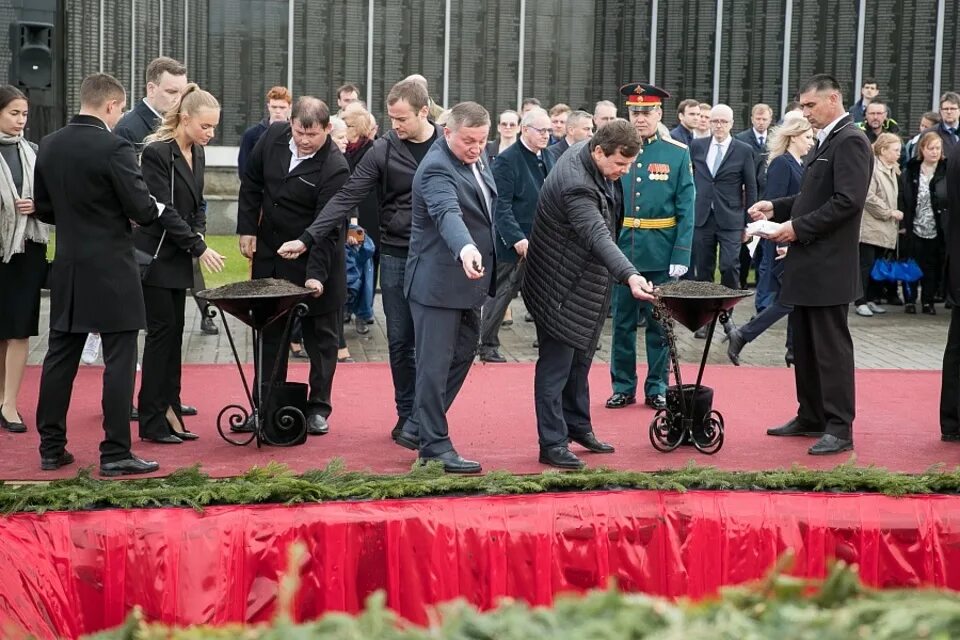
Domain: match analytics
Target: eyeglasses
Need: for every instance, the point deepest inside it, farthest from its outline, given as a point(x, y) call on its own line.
point(508, 124)
point(540, 131)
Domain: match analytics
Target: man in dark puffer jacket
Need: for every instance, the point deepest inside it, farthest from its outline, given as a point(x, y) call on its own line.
point(572, 261)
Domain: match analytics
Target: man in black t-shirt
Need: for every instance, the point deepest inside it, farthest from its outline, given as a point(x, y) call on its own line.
point(388, 168)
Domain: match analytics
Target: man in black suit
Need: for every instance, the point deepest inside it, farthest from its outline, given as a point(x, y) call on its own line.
point(725, 174)
point(579, 128)
point(756, 136)
point(821, 270)
point(451, 241)
point(293, 170)
point(688, 113)
point(88, 183)
point(519, 173)
point(950, 378)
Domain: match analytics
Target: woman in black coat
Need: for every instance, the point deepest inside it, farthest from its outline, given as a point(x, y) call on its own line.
point(923, 195)
point(173, 165)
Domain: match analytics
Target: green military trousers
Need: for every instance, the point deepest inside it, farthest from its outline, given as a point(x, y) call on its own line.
point(623, 352)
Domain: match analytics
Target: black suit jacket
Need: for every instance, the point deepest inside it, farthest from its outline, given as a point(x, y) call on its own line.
point(953, 229)
point(87, 182)
point(557, 150)
point(449, 212)
point(732, 191)
point(184, 221)
point(760, 154)
point(137, 124)
point(519, 178)
point(822, 267)
point(277, 205)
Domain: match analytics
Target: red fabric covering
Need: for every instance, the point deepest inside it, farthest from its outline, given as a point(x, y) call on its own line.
point(493, 421)
point(63, 574)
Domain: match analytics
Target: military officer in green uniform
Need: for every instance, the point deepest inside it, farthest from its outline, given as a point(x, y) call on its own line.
point(657, 236)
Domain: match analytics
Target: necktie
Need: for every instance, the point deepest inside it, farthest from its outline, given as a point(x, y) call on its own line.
point(760, 140)
point(717, 160)
point(953, 132)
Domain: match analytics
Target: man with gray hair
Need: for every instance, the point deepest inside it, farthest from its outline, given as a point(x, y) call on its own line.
point(579, 128)
point(447, 277)
point(519, 173)
point(604, 113)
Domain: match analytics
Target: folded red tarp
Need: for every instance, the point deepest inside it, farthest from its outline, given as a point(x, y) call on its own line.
point(64, 574)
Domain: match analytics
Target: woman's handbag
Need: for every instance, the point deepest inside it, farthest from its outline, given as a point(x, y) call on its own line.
point(144, 259)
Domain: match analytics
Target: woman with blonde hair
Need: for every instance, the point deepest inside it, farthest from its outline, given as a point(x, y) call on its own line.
point(173, 166)
point(881, 218)
point(788, 145)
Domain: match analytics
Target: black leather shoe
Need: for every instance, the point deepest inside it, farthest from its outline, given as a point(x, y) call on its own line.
point(187, 410)
point(929, 309)
point(244, 427)
point(167, 439)
point(794, 428)
point(361, 326)
point(128, 467)
point(589, 442)
point(317, 425)
point(492, 356)
point(52, 464)
point(910, 308)
point(397, 428)
point(656, 402)
point(620, 400)
point(560, 457)
point(134, 414)
point(186, 435)
point(829, 444)
point(13, 427)
point(735, 344)
point(950, 437)
point(207, 327)
point(788, 358)
point(407, 441)
point(453, 463)
point(700, 334)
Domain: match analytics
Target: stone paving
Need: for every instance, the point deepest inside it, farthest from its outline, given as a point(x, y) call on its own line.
point(890, 341)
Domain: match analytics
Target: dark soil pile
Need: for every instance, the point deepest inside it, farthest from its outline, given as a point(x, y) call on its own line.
point(696, 289)
point(259, 288)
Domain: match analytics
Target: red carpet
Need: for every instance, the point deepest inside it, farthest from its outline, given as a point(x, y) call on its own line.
point(493, 421)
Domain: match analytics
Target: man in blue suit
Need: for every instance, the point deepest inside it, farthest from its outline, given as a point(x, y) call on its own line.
point(725, 174)
point(519, 173)
point(450, 273)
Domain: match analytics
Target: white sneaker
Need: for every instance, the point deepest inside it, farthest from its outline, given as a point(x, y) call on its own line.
point(876, 308)
point(864, 310)
point(91, 349)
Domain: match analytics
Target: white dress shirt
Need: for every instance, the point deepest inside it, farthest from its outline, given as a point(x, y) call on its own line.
point(712, 152)
point(295, 160)
point(822, 135)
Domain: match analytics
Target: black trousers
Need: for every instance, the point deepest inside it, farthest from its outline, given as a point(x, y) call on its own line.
point(320, 336)
point(561, 392)
point(950, 378)
point(868, 255)
point(160, 374)
point(823, 353)
point(56, 386)
point(199, 285)
point(509, 280)
point(706, 239)
point(929, 254)
point(446, 343)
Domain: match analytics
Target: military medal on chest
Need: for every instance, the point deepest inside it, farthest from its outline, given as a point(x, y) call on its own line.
point(658, 171)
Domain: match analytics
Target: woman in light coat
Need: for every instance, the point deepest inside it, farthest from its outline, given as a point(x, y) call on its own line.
point(881, 218)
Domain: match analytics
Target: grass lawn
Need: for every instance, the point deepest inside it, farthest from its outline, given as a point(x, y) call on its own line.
point(237, 267)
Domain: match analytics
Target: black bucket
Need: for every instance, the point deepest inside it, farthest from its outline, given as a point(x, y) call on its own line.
point(697, 408)
point(284, 417)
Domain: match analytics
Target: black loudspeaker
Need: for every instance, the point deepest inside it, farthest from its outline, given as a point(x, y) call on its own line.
point(31, 63)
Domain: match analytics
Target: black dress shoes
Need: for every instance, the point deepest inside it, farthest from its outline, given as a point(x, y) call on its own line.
point(656, 402)
point(735, 344)
point(620, 400)
point(589, 442)
point(128, 467)
point(187, 410)
point(317, 425)
point(829, 444)
point(492, 356)
point(13, 427)
point(795, 428)
point(397, 428)
point(407, 441)
point(453, 463)
point(560, 457)
point(186, 435)
point(208, 327)
point(929, 309)
point(167, 439)
point(52, 464)
point(950, 437)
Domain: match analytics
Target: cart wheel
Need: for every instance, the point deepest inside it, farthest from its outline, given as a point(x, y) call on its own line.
point(713, 434)
point(663, 436)
point(237, 416)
